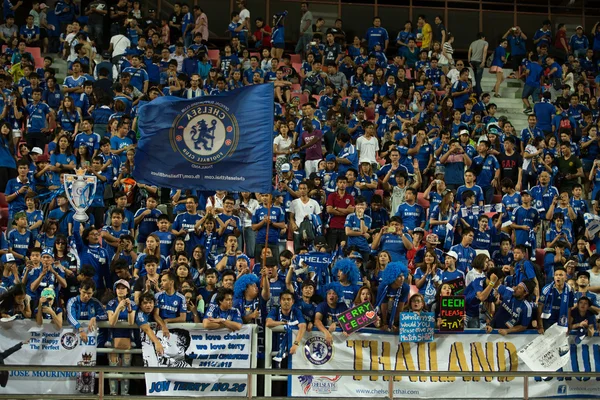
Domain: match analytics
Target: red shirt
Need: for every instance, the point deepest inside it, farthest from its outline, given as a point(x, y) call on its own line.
point(557, 43)
point(260, 36)
point(334, 200)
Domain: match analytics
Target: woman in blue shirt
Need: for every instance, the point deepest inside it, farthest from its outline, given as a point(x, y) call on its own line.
point(63, 159)
point(8, 164)
point(497, 64)
point(68, 117)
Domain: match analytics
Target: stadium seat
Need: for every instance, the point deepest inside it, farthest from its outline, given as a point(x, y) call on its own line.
point(296, 59)
point(370, 114)
point(297, 67)
point(497, 199)
point(213, 55)
point(303, 98)
point(379, 192)
point(539, 257)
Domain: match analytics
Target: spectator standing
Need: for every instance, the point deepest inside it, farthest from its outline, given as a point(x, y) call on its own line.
point(476, 58)
point(306, 28)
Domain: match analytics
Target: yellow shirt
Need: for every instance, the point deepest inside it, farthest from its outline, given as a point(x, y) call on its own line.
point(427, 36)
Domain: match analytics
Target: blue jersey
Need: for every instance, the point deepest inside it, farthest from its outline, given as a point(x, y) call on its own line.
point(117, 143)
point(471, 301)
point(232, 314)
point(67, 121)
point(148, 224)
point(91, 141)
point(413, 216)
point(37, 115)
point(20, 242)
point(476, 189)
point(139, 77)
point(528, 217)
point(376, 36)
point(97, 257)
point(276, 215)
point(482, 240)
point(139, 264)
point(465, 257)
point(489, 165)
point(354, 223)
point(77, 311)
point(330, 315)
point(166, 241)
point(511, 312)
point(170, 306)
point(393, 244)
point(187, 222)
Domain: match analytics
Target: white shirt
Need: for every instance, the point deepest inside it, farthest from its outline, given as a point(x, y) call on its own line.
point(244, 14)
point(368, 149)
point(252, 206)
point(301, 209)
point(594, 278)
point(120, 44)
point(454, 74)
point(282, 144)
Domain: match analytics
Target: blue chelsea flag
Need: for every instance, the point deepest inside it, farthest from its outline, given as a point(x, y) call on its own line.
point(221, 142)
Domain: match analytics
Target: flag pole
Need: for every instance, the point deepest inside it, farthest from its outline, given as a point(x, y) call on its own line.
point(264, 253)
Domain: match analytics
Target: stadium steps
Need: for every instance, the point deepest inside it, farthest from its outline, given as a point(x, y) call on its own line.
point(510, 104)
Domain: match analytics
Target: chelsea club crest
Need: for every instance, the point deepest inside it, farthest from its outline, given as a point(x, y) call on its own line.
point(205, 133)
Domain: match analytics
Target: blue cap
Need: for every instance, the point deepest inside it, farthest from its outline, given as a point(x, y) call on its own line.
point(276, 193)
point(245, 257)
point(355, 254)
point(330, 157)
point(295, 155)
point(8, 257)
point(48, 252)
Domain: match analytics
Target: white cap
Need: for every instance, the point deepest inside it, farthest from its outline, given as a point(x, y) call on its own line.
point(286, 167)
point(452, 254)
point(37, 150)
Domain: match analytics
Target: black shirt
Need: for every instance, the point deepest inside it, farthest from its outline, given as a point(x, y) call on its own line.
point(509, 166)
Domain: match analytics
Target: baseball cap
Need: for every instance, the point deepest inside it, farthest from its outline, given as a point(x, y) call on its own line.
point(43, 5)
point(48, 293)
point(48, 252)
point(43, 158)
point(330, 157)
point(452, 254)
point(294, 156)
point(419, 229)
point(121, 282)
point(276, 193)
point(432, 238)
point(245, 257)
point(525, 192)
point(6, 258)
point(464, 132)
point(355, 254)
point(37, 150)
point(493, 128)
point(286, 167)
point(579, 27)
point(583, 273)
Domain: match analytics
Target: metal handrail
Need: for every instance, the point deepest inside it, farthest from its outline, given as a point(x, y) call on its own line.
point(264, 371)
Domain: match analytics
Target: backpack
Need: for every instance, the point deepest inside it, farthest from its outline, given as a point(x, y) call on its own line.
point(565, 122)
point(306, 231)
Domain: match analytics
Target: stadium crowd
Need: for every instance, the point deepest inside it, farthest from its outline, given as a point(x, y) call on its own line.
point(395, 180)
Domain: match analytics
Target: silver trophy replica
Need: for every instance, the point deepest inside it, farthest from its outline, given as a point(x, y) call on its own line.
point(79, 189)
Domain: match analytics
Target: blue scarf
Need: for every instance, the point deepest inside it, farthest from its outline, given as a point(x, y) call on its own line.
point(563, 314)
point(382, 296)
